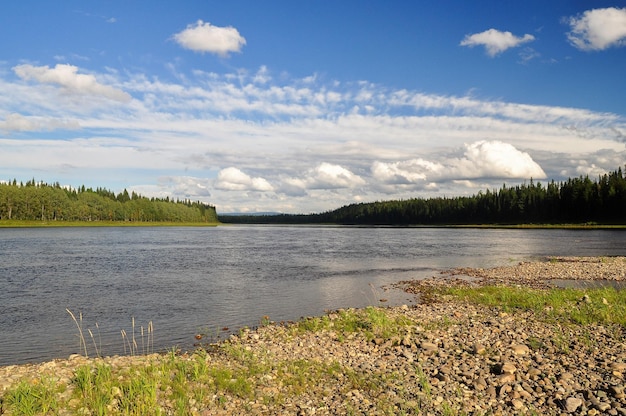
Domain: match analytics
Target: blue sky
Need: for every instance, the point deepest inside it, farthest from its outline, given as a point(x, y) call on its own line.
point(305, 106)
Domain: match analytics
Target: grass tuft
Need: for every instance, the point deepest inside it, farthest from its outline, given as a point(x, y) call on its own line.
point(604, 305)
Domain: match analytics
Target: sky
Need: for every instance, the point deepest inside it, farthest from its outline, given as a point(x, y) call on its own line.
point(305, 106)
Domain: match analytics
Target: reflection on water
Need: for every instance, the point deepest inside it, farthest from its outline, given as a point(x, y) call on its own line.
point(189, 280)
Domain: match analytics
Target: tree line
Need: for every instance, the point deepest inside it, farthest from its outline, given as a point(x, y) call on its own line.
point(52, 202)
point(577, 200)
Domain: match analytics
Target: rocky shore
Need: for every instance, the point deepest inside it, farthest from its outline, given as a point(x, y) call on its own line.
point(452, 358)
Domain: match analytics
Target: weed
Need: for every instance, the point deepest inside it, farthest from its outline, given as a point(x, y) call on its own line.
point(422, 379)
point(535, 343)
point(602, 305)
point(79, 325)
point(33, 397)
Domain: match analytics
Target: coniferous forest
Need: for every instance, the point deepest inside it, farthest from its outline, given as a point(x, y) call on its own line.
point(43, 202)
point(575, 201)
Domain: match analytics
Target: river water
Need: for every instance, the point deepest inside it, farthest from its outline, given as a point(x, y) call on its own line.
point(188, 280)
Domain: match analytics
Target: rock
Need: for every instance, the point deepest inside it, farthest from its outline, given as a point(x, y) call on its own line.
point(617, 392)
point(520, 349)
point(507, 368)
point(479, 349)
point(517, 404)
point(506, 378)
point(406, 341)
point(618, 367)
point(429, 347)
point(572, 404)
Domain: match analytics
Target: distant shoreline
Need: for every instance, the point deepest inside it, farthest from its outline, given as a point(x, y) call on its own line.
point(58, 224)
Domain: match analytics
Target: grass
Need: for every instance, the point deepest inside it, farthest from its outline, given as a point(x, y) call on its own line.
point(604, 306)
point(371, 322)
point(131, 345)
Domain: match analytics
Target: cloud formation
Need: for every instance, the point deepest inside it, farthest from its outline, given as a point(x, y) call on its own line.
point(247, 141)
point(204, 37)
point(233, 179)
point(67, 77)
point(495, 41)
point(481, 159)
point(17, 122)
point(598, 29)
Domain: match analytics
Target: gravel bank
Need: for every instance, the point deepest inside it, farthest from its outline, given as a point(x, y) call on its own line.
point(454, 358)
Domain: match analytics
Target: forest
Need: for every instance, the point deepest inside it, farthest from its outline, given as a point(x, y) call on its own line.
point(575, 201)
point(43, 202)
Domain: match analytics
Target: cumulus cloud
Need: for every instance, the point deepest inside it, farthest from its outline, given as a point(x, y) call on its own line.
point(327, 175)
point(407, 172)
point(17, 122)
point(481, 159)
point(496, 159)
point(233, 179)
point(204, 37)
point(495, 41)
point(67, 77)
point(324, 176)
point(598, 29)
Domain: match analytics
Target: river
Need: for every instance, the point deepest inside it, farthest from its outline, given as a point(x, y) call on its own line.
point(188, 280)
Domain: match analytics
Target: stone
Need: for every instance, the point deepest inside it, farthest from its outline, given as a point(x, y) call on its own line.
point(618, 367)
point(429, 347)
point(617, 392)
point(479, 349)
point(517, 404)
point(520, 349)
point(507, 368)
point(506, 378)
point(572, 404)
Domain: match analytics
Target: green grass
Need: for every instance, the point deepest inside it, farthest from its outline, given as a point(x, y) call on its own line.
point(371, 322)
point(577, 306)
point(33, 397)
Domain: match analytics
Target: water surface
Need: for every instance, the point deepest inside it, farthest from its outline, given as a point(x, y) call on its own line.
point(190, 280)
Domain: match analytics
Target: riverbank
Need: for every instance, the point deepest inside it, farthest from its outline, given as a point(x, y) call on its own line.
point(59, 224)
point(454, 354)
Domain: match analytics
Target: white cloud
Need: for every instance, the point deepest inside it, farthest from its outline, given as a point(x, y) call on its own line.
point(204, 37)
point(407, 172)
point(482, 159)
point(233, 179)
point(67, 76)
point(17, 122)
point(331, 176)
point(598, 29)
point(291, 145)
point(495, 41)
point(495, 159)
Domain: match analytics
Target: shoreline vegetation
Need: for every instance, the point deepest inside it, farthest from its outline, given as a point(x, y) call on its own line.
point(479, 342)
point(579, 200)
point(576, 203)
point(60, 224)
point(4, 223)
point(41, 203)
